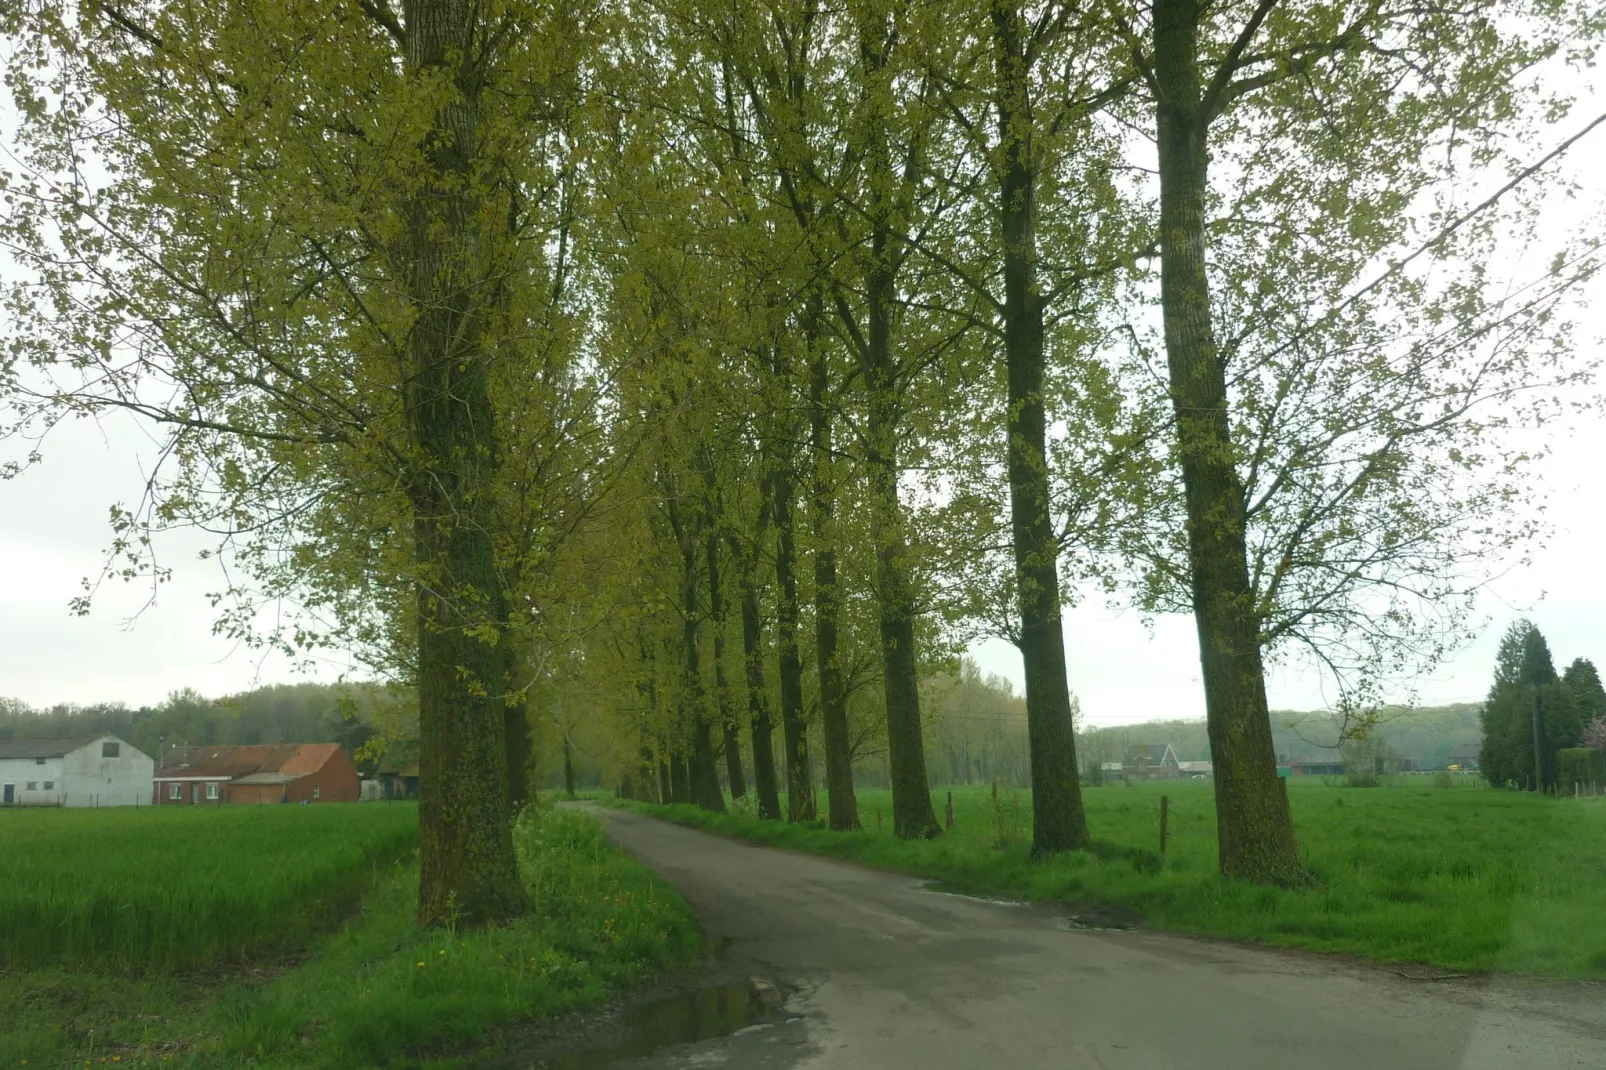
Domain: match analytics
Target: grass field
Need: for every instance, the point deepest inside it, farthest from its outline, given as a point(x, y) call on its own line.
point(182, 887)
point(379, 992)
point(1459, 878)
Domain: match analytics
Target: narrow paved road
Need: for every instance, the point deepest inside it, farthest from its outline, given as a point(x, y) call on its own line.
point(882, 974)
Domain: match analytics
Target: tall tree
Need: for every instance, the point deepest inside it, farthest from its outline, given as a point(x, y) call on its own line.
point(1583, 684)
point(331, 332)
point(1529, 715)
point(1342, 482)
point(465, 856)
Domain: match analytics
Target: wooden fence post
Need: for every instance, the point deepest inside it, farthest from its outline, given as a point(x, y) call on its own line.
point(950, 811)
point(1165, 813)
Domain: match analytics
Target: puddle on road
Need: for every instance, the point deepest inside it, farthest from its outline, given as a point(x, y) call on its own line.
point(940, 888)
point(682, 1018)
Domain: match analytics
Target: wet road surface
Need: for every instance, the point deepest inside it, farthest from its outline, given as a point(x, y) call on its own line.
point(830, 966)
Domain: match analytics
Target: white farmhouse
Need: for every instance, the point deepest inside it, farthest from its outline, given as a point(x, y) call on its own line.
point(98, 771)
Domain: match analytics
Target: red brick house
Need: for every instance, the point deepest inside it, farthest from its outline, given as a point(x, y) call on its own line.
point(278, 773)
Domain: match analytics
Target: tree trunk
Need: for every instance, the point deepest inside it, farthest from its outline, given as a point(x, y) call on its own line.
point(666, 789)
point(1252, 816)
point(467, 867)
point(758, 703)
point(912, 814)
point(844, 807)
point(568, 767)
point(799, 793)
point(704, 776)
point(516, 726)
point(727, 720)
point(1058, 820)
point(679, 780)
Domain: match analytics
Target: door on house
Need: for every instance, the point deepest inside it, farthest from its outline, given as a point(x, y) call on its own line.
point(195, 794)
point(10, 794)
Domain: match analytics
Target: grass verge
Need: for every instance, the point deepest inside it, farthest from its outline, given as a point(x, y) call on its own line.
point(380, 992)
point(1464, 879)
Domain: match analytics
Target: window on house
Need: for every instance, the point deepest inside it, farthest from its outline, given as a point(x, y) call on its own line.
point(33, 785)
point(50, 785)
point(110, 750)
point(38, 761)
point(316, 792)
point(211, 789)
point(175, 792)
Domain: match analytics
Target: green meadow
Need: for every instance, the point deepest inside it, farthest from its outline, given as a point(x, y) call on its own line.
point(182, 887)
point(363, 987)
point(1461, 877)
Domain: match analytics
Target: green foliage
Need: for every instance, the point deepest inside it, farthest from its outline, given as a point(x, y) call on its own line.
point(1580, 765)
point(1469, 880)
point(290, 713)
point(183, 887)
point(1583, 682)
point(380, 992)
point(1529, 706)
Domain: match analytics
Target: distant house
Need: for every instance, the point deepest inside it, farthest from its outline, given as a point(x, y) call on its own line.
point(1316, 767)
point(1466, 755)
point(1197, 768)
point(277, 773)
point(1150, 762)
point(398, 780)
point(98, 770)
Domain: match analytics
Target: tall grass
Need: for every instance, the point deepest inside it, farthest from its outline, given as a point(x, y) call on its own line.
point(1475, 880)
point(182, 887)
point(381, 991)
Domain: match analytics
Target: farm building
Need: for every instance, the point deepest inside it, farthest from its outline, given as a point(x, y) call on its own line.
point(1197, 768)
point(1316, 767)
point(279, 773)
point(1148, 762)
point(398, 780)
point(98, 770)
point(1466, 756)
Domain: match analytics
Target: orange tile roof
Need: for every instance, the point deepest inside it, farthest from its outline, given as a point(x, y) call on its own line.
point(228, 762)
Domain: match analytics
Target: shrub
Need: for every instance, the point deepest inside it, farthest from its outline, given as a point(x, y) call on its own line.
point(1579, 765)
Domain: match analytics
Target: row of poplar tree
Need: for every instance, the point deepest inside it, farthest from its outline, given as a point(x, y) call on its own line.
point(1533, 715)
point(527, 349)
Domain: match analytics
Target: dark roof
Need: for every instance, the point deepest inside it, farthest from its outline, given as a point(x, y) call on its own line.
point(268, 778)
point(42, 748)
point(1155, 752)
point(228, 763)
point(1466, 750)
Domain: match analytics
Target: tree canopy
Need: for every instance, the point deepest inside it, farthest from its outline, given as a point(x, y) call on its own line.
point(687, 381)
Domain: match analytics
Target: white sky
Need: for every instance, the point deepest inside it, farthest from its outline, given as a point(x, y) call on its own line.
point(53, 532)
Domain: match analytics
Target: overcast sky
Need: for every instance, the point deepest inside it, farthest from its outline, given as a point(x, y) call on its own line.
point(53, 532)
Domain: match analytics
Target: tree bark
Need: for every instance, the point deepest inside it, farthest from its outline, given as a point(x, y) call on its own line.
point(679, 780)
point(758, 703)
point(840, 799)
point(467, 867)
point(727, 721)
point(703, 775)
point(1058, 820)
point(799, 790)
point(568, 767)
point(1253, 820)
point(516, 726)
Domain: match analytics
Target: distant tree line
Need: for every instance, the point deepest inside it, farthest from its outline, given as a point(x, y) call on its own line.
point(1534, 715)
point(282, 713)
